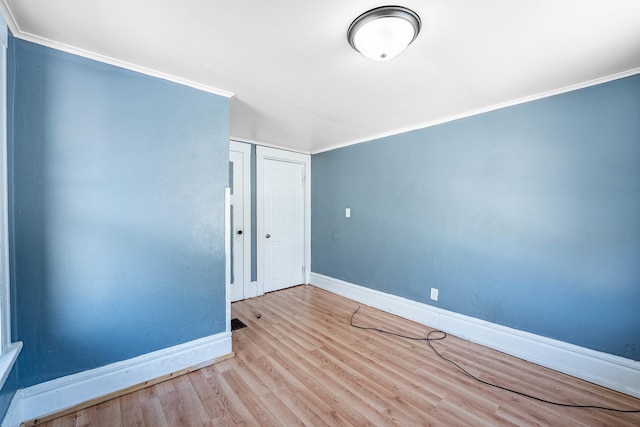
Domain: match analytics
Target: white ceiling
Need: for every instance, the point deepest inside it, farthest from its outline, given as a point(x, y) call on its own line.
point(298, 84)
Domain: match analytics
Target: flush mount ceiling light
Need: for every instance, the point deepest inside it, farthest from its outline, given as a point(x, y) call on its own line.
point(384, 32)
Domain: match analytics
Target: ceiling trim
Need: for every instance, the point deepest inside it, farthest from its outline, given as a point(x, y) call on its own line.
point(8, 16)
point(122, 64)
point(512, 103)
point(266, 144)
point(18, 33)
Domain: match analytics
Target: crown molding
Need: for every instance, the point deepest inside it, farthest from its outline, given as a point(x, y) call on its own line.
point(23, 35)
point(266, 144)
point(121, 64)
point(8, 16)
point(494, 107)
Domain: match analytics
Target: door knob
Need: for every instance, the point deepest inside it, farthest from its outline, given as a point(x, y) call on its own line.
point(268, 236)
point(239, 231)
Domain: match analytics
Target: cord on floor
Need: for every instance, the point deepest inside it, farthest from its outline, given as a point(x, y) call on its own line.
point(442, 335)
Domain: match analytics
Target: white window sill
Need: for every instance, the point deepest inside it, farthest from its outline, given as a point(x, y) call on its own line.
point(8, 359)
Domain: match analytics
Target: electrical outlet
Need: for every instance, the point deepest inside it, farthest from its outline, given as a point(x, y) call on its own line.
point(434, 294)
point(347, 213)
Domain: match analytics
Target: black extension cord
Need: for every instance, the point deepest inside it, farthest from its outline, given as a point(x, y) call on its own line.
point(443, 335)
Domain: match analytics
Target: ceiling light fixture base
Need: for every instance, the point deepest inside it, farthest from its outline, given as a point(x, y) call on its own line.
point(384, 32)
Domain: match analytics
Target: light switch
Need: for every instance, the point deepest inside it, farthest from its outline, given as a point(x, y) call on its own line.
point(347, 213)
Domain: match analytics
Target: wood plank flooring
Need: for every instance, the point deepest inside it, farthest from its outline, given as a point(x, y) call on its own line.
point(302, 364)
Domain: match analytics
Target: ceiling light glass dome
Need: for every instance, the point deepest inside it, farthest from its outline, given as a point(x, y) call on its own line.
point(384, 32)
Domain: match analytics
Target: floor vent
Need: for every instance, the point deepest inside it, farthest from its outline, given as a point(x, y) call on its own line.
point(237, 324)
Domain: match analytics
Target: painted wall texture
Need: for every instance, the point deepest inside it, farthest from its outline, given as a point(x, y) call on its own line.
point(118, 212)
point(10, 385)
point(8, 391)
point(528, 216)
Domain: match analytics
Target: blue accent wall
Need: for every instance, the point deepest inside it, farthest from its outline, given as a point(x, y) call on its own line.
point(117, 212)
point(8, 391)
point(527, 216)
point(10, 385)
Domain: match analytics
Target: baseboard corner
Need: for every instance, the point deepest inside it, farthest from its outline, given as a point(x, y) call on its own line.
point(74, 392)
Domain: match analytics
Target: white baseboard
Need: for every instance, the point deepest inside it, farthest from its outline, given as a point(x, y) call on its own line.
point(604, 369)
point(67, 392)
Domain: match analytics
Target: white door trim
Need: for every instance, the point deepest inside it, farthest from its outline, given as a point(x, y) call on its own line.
point(227, 257)
point(245, 149)
point(267, 153)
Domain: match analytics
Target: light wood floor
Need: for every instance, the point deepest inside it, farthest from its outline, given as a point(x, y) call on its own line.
point(302, 364)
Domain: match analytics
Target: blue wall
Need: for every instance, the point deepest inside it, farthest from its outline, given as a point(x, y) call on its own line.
point(527, 216)
point(10, 386)
point(118, 212)
point(8, 391)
